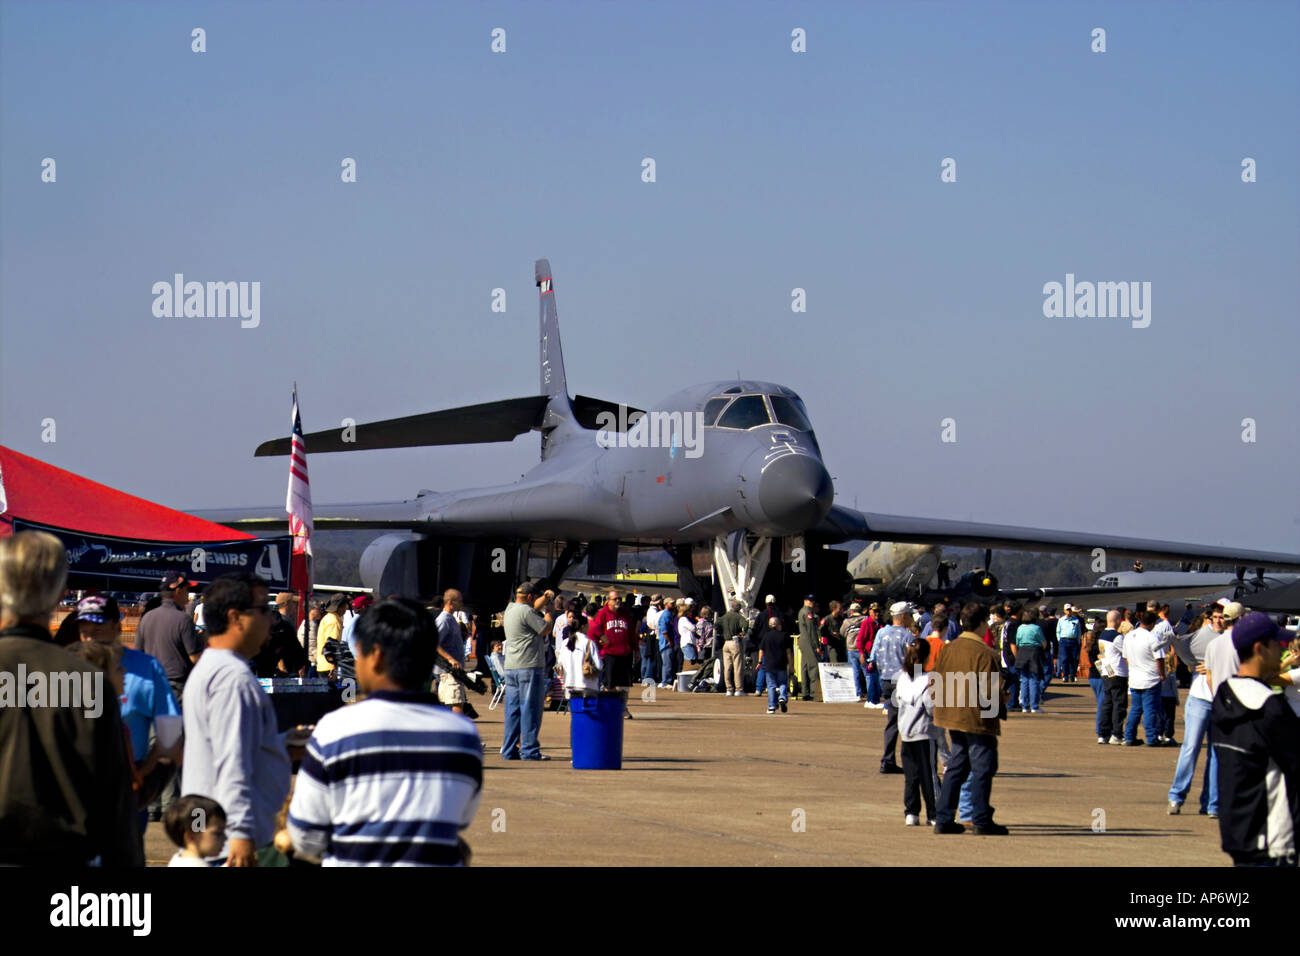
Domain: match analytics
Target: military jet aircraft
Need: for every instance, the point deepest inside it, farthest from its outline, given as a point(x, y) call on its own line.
point(889, 570)
point(714, 473)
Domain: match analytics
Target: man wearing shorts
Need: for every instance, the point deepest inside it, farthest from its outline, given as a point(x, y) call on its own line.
point(451, 653)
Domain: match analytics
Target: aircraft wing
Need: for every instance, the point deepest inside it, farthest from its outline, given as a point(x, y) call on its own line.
point(841, 524)
point(1107, 596)
point(488, 422)
point(397, 515)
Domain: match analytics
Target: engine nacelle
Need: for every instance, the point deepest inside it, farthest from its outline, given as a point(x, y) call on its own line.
point(391, 564)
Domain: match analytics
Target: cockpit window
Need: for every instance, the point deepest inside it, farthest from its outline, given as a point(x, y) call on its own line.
point(790, 412)
point(747, 411)
point(734, 390)
point(712, 409)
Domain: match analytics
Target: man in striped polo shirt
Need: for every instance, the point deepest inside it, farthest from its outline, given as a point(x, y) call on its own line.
point(391, 780)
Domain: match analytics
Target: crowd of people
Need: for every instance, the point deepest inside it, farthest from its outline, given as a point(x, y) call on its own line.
point(190, 738)
point(185, 733)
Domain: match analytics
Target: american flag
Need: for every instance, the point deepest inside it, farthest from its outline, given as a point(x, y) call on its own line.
point(298, 503)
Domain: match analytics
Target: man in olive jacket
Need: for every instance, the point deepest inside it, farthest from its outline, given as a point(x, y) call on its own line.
point(969, 702)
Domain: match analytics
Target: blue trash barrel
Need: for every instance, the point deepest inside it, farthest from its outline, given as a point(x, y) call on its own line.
point(596, 731)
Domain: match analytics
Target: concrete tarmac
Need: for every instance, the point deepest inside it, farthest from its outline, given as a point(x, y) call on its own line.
point(713, 780)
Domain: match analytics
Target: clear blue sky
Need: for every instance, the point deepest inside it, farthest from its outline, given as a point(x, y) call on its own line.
point(775, 170)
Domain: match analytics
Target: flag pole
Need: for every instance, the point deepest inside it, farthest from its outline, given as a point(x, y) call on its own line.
point(298, 504)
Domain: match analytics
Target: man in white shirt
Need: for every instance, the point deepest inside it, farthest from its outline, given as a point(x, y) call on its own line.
point(1116, 678)
point(686, 630)
point(1221, 660)
point(451, 653)
point(1146, 669)
point(1196, 725)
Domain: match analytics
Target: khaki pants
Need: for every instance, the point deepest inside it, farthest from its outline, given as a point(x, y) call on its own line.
point(733, 659)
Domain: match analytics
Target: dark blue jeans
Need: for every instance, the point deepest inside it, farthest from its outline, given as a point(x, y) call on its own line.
point(1144, 705)
point(974, 756)
point(649, 664)
point(1013, 684)
point(859, 676)
point(1067, 658)
point(668, 670)
point(1098, 691)
point(525, 697)
point(874, 690)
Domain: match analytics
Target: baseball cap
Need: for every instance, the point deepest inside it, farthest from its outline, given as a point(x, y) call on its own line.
point(690, 601)
point(174, 579)
point(1069, 607)
point(1254, 627)
point(1232, 610)
point(98, 609)
point(770, 599)
point(361, 602)
point(900, 607)
point(855, 606)
point(810, 597)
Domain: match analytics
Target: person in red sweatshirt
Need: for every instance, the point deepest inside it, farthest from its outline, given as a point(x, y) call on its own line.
point(613, 632)
point(865, 640)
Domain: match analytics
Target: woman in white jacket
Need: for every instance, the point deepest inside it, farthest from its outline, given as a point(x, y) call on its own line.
point(915, 704)
point(570, 654)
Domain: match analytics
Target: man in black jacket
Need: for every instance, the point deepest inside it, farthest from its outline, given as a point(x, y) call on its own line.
point(65, 784)
point(1256, 740)
point(282, 655)
point(755, 639)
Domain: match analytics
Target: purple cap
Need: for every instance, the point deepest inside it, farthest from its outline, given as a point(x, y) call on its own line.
point(1252, 629)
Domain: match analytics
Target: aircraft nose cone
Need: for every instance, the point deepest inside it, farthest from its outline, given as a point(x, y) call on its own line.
point(795, 493)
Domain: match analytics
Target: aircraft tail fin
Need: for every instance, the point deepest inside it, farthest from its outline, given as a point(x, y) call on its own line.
point(552, 356)
point(560, 422)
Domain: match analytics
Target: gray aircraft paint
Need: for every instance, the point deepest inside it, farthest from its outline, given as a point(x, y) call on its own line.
point(769, 480)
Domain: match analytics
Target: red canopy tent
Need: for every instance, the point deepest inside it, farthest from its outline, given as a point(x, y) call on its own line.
point(118, 540)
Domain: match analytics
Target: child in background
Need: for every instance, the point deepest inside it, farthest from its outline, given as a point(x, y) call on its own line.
point(915, 705)
point(198, 826)
point(497, 663)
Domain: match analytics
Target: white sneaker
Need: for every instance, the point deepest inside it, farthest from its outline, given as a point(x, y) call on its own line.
point(911, 820)
point(1101, 740)
point(728, 693)
point(1115, 740)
